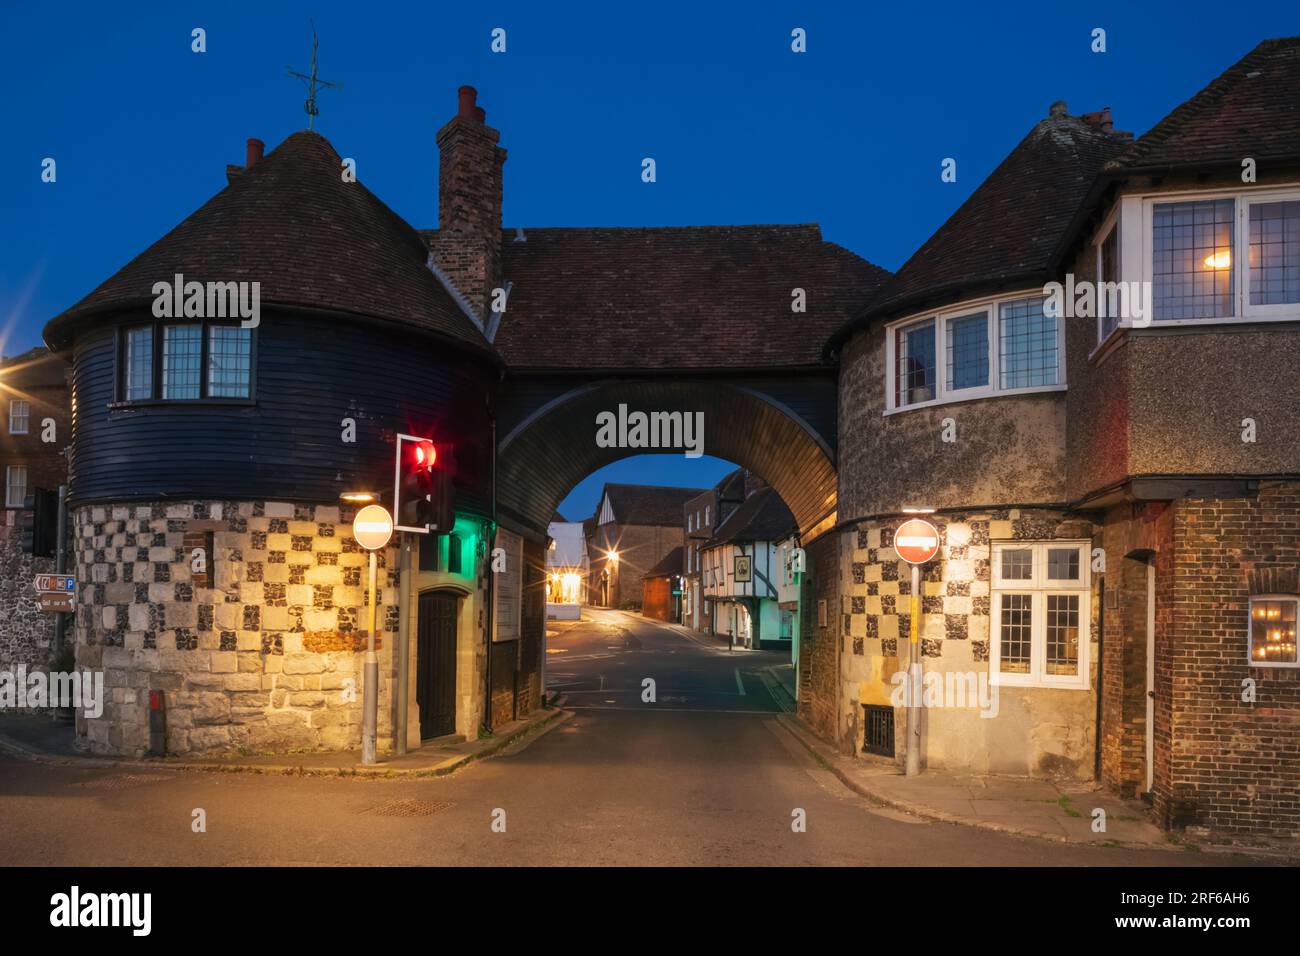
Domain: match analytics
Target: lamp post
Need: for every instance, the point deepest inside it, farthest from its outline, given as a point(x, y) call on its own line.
point(372, 528)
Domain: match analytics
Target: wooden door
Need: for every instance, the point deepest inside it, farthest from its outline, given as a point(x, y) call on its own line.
point(435, 682)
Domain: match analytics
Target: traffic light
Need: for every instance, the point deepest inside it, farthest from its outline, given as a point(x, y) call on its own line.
point(423, 496)
point(39, 523)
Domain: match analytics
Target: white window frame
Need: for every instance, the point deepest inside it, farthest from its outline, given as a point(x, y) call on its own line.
point(1110, 225)
point(1250, 629)
point(1243, 311)
point(15, 404)
point(1040, 587)
point(10, 472)
point(991, 306)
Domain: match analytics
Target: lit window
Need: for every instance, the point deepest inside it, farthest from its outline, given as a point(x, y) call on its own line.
point(138, 375)
point(968, 351)
point(1028, 351)
point(1191, 259)
point(229, 361)
point(915, 352)
point(1273, 631)
point(1274, 253)
point(15, 486)
point(1040, 621)
point(20, 414)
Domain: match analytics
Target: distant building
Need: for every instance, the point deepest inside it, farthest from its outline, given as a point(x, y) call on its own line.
point(635, 528)
point(703, 514)
point(566, 569)
point(742, 572)
point(661, 592)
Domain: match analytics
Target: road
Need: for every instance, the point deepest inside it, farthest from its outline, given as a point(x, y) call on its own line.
point(704, 775)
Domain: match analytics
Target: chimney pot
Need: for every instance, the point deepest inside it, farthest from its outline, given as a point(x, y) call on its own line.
point(253, 153)
point(466, 108)
point(1058, 109)
point(480, 114)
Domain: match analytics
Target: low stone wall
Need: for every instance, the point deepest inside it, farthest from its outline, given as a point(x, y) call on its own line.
point(260, 651)
point(1038, 731)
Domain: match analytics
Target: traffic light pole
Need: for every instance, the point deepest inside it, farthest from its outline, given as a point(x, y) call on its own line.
point(370, 716)
point(403, 641)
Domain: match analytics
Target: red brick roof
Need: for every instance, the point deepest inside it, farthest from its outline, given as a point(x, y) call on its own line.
point(1251, 109)
point(1005, 234)
point(647, 504)
point(291, 223)
point(35, 368)
point(683, 297)
point(669, 566)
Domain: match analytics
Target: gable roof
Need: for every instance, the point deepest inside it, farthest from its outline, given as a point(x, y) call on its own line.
point(763, 517)
point(692, 296)
point(311, 240)
point(648, 504)
point(1251, 109)
point(1008, 230)
point(36, 368)
point(669, 565)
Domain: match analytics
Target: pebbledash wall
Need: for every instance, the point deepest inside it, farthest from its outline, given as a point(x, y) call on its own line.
point(260, 651)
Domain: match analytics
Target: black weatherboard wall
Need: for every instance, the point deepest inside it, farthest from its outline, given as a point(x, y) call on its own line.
point(287, 441)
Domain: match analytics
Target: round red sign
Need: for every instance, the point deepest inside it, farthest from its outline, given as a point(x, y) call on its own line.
point(916, 541)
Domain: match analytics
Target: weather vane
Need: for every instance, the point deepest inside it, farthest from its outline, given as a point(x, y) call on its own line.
point(312, 82)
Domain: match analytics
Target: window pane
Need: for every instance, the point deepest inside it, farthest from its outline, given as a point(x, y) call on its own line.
point(1108, 271)
point(1028, 348)
point(968, 351)
point(1272, 632)
point(1014, 643)
point(1063, 564)
point(20, 414)
point(1191, 258)
point(1274, 253)
point(182, 352)
point(229, 348)
point(1062, 634)
point(15, 486)
point(1017, 564)
point(138, 381)
point(915, 372)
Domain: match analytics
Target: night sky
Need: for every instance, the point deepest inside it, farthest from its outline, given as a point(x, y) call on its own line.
point(850, 134)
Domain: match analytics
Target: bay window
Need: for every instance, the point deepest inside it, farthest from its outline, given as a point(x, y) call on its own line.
point(1041, 618)
point(990, 347)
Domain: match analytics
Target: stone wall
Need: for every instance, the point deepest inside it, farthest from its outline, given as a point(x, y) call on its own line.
point(262, 653)
point(819, 645)
point(26, 633)
point(1047, 732)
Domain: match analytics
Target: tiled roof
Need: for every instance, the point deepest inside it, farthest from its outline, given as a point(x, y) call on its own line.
point(648, 504)
point(696, 297)
point(1252, 109)
point(669, 566)
point(291, 223)
point(1006, 233)
point(35, 368)
point(763, 517)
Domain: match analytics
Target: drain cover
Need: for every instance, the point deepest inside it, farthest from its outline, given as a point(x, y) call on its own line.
point(406, 808)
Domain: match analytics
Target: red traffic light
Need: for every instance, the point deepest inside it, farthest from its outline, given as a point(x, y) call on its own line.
point(425, 454)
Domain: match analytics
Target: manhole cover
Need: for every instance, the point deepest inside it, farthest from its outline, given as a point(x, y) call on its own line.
point(119, 781)
point(406, 808)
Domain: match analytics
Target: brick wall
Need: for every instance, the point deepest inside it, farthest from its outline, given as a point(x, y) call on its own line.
point(640, 548)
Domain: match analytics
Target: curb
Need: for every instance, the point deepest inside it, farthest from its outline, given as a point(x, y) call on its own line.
point(442, 769)
point(830, 762)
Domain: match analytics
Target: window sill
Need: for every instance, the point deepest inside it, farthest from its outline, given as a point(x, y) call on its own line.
point(981, 396)
point(181, 402)
point(1001, 680)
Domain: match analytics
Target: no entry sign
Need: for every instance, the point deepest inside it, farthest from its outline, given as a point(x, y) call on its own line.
point(916, 541)
point(372, 527)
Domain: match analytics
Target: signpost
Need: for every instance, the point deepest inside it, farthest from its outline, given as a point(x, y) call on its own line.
point(916, 542)
point(55, 593)
point(372, 527)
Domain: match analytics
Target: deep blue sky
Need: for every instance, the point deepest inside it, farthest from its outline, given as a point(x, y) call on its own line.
point(850, 134)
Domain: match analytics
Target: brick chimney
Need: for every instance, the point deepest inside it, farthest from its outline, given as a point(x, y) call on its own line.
point(467, 247)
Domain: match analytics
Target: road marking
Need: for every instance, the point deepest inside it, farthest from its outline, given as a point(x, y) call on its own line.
point(672, 710)
point(739, 684)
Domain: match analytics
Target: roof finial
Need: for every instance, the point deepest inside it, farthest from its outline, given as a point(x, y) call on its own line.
point(312, 82)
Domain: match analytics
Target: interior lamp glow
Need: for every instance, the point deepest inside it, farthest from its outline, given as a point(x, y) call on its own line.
point(1219, 260)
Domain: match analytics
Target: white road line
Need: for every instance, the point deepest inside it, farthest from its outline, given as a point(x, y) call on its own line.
point(739, 685)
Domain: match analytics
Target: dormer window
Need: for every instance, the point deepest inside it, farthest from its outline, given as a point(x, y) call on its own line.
point(996, 346)
point(185, 362)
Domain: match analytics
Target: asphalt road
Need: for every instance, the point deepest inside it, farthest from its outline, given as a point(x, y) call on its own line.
point(705, 775)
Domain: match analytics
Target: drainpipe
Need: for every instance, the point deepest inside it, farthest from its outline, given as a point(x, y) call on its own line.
point(491, 588)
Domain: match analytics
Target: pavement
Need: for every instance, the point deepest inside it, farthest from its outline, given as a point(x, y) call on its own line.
point(665, 752)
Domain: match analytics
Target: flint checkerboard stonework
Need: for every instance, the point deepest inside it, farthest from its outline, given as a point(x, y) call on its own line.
point(260, 651)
